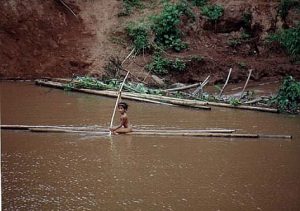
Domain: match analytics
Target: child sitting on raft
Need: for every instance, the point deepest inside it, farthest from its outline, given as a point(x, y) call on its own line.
point(124, 126)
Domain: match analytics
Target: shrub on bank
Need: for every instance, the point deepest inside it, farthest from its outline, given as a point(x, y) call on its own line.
point(139, 33)
point(161, 66)
point(288, 97)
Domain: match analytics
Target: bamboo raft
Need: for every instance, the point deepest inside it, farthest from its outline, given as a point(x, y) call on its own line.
point(226, 133)
point(163, 100)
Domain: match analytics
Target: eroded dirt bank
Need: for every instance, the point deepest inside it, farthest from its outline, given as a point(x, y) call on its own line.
point(44, 39)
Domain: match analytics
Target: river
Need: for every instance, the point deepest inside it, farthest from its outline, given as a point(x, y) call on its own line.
point(57, 171)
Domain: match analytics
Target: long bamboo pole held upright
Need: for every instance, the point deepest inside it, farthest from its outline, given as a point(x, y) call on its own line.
point(117, 101)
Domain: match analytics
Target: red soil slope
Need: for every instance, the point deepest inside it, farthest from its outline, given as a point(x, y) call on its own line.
point(44, 39)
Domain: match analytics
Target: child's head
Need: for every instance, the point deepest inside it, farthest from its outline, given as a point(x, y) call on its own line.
point(122, 106)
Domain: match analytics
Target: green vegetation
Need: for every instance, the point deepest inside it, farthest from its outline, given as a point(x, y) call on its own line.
point(212, 12)
point(285, 6)
point(198, 3)
point(112, 84)
point(234, 42)
point(89, 83)
point(139, 33)
point(162, 66)
point(197, 58)
point(234, 101)
point(247, 19)
point(289, 39)
point(288, 97)
point(128, 6)
point(165, 25)
point(242, 65)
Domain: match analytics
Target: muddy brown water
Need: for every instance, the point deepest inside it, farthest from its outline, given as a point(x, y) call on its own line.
point(52, 171)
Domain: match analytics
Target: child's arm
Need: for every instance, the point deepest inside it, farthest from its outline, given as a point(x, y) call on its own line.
point(119, 126)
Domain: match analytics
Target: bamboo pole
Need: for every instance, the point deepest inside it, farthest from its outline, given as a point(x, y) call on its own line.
point(253, 108)
point(128, 56)
point(201, 86)
point(228, 76)
point(117, 101)
point(157, 133)
point(97, 128)
point(249, 75)
point(182, 88)
point(26, 127)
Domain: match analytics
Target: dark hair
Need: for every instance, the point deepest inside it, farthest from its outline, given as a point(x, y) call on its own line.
point(124, 105)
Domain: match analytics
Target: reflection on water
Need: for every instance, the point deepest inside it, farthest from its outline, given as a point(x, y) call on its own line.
point(67, 171)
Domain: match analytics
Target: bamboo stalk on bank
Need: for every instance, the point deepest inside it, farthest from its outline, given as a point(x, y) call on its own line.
point(133, 96)
point(183, 87)
point(253, 108)
point(141, 96)
point(200, 88)
point(228, 76)
point(250, 72)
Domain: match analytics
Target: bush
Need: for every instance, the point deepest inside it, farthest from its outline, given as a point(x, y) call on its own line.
point(289, 39)
point(128, 6)
point(139, 33)
point(162, 66)
point(212, 12)
point(288, 97)
point(159, 65)
point(177, 65)
point(234, 42)
point(285, 6)
point(199, 3)
point(165, 25)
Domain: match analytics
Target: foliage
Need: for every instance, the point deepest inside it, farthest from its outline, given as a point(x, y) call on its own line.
point(234, 101)
point(285, 6)
point(159, 65)
point(242, 65)
point(128, 6)
point(111, 84)
point(141, 88)
point(90, 83)
point(139, 33)
point(177, 65)
point(289, 39)
point(197, 58)
point(199, 3)
point(288, 97)
point(165, 25)
point(212, 12)
point(247, 18)
point(234, 42)
point(162, 66)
